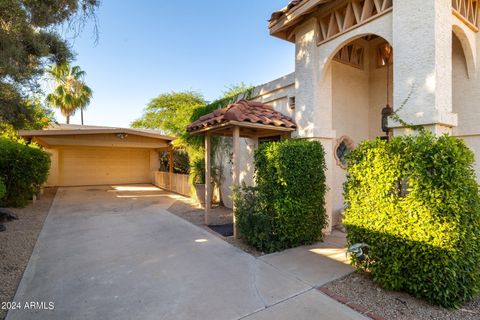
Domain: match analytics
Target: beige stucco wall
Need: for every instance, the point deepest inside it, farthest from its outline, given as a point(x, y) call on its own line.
point(274, 93)
point(466, 98)
point(437, 70)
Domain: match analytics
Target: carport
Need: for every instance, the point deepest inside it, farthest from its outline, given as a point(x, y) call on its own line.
point(92, 155)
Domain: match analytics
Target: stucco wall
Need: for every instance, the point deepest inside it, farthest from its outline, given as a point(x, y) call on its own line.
point(274, 93)
point(358, 98)
point(350, 117)
point(466, 98)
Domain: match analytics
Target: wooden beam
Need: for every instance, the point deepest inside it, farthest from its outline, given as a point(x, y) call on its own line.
point(92, 142)
point(208, 182)
point(236, 170)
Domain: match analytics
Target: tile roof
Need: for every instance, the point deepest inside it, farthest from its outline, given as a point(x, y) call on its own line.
point(244, 111)
point(278, 14)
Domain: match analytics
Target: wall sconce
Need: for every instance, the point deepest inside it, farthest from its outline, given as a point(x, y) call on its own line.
point(122, 135)
point(386, 112)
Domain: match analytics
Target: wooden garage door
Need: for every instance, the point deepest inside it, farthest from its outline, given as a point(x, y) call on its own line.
point(80, 166)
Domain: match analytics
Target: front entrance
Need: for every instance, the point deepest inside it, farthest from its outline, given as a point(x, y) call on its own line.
point(362, 85)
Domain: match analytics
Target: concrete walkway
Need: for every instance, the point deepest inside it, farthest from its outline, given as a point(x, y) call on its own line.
point(116, 253)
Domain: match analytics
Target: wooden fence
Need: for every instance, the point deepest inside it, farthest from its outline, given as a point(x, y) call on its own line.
point(179, 182)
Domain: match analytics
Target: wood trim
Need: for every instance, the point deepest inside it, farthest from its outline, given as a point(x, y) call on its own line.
point(37, 133)
point(467, 12)
point(295, 13)
point(232, 124)
point(464, 20)
point(321, 41)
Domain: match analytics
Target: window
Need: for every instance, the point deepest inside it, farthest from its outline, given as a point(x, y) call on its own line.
point(345, 145)
point(291, 102)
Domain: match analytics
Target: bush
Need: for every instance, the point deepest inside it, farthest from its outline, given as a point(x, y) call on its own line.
point(24, 169)
point(286, 208)
point(3, 189)
point(415, 202)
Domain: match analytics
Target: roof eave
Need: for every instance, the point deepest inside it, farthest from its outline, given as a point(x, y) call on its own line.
point(278, 28)
point(250, 125)
point(40, 133)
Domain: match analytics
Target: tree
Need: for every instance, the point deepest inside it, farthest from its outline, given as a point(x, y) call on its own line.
point(170, 112)
point(71, 93)
point(29, 42)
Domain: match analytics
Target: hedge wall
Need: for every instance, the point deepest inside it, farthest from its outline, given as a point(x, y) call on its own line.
point(286, 208)
point(3, 189)
point(415, 202)
point(23, 170)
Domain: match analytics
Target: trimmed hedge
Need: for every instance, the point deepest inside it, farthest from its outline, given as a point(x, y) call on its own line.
point(415, 202)
point(286, 208)
point(3, 189)
point(24, 169)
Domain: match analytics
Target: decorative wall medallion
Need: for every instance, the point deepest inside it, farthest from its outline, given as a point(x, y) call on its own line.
point(344, 146)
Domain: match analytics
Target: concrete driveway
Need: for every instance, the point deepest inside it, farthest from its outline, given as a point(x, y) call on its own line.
point(116, 253)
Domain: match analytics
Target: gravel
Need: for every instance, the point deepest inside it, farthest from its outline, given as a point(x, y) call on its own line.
point(17, 243)
point(358, 288)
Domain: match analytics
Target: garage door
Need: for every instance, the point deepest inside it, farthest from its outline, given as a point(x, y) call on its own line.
point(80, 166)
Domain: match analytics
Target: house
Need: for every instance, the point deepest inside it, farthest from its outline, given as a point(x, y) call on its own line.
point(353, 58)
point(93, 155)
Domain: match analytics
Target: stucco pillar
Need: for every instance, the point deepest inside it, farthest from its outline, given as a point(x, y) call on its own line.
point(313, 101)
point(422, 46)
point(307, 78)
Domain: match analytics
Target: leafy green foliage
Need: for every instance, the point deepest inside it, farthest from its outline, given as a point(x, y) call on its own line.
point(29, 42)
point(286, 208)
point(23, 170)
point(71, 92)
point(172, 112)
point(415, 202)
point(180, 161)
point(30, 114)
point(3, 189)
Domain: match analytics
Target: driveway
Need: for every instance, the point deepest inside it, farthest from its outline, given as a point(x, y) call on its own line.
point(116, 253)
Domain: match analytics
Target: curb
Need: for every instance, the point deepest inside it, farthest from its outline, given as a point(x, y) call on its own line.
point(361, 309)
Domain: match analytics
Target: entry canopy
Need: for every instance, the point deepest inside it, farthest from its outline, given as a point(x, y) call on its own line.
point(254, 119)
point(246, 119)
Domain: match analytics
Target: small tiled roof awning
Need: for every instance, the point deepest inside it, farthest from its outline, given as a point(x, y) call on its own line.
point(254, 119)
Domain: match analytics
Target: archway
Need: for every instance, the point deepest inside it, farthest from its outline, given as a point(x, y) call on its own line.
point(362, 85)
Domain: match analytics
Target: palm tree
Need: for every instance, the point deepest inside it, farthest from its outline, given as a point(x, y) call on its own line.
point(71, 92)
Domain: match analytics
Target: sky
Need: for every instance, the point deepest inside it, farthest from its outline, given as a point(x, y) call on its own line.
point(146, 48)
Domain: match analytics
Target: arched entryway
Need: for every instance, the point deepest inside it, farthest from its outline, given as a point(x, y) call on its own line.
point(362, 85)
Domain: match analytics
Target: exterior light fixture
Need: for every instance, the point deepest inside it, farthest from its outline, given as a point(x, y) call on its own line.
point(121, 135)
point(386, 53)
point(386, 112)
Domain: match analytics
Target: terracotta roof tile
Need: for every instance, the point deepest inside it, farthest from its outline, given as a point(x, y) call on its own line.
point(278, 14)
point(243, 111)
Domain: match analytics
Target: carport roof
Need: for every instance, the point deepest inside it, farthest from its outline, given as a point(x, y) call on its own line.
point(73, 129)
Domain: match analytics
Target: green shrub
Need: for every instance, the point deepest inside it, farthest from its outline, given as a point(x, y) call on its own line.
point(3, 189)
point(23, 169)
point(415, 202)
point(286, 208)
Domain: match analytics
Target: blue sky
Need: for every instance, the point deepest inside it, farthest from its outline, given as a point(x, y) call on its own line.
point(151, 47)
